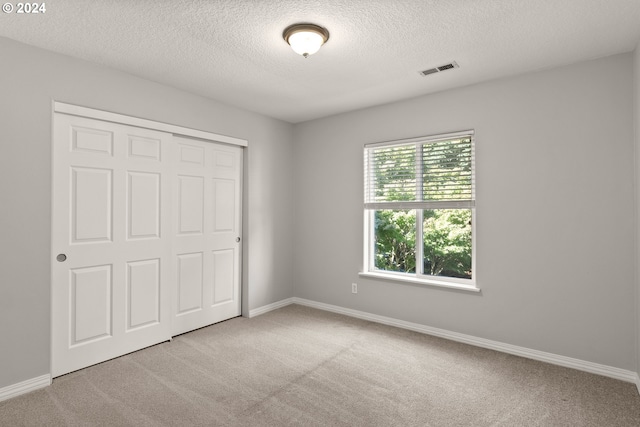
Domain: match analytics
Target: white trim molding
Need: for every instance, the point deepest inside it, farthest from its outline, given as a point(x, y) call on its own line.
point(420, 280)
point(76, 110)
point(555, 359)
point(270, 307)
point(25, 387)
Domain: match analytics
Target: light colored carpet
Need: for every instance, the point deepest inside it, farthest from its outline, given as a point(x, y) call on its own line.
point(298, 366)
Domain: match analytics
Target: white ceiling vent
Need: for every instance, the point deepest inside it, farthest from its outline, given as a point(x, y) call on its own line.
point(439, 69)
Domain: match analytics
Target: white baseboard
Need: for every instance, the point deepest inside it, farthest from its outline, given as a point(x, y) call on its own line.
point(638, 382)
point(24, 387)
point(270, 307)
point(555, 359)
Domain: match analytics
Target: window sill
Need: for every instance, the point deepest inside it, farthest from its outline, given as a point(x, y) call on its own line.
point(420, 281)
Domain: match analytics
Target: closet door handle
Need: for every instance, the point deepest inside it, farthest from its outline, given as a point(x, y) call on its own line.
point(238, 239)
point(61, 258)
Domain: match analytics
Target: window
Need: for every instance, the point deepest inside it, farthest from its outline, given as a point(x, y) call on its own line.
point(420, 208)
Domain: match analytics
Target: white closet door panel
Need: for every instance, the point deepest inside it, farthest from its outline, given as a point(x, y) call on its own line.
point(92, 140)
point(191, 154)
point(91, 292)
point(190, 204)
point(190, 282)
point(208, 195)
point(112, 221)
point(91, 204)
point(224, 214)
point(143, 207)
point(144, 148)
point(143, 293)
point(226, 162)
point(223, 276)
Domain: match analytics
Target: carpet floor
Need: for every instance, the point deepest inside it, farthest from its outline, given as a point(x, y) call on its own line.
point(298, 366)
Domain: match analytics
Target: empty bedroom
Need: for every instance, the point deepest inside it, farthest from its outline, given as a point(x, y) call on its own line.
point(312, 213)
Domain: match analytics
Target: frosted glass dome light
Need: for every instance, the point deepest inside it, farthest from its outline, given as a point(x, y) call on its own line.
point(305, 39)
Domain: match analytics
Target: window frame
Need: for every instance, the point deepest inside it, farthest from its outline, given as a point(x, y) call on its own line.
point(369, 270)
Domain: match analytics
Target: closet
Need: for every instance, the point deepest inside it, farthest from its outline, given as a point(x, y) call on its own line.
point(146, 233)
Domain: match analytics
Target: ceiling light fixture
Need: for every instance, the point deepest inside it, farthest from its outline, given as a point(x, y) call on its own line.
point(305, 39)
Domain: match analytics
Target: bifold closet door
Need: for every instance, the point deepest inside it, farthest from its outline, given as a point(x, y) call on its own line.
point(111, 241)
point(206, 245)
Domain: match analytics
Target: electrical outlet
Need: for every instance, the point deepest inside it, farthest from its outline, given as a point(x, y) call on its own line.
point(354, 288)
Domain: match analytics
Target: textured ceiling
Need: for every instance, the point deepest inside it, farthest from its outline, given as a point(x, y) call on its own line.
point(233, 51)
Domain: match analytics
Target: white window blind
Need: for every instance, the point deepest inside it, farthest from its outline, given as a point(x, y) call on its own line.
point(421, 173)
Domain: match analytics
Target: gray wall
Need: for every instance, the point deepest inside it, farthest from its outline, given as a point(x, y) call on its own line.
point(555, 211)
point(636, 121)
point(31, 79)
